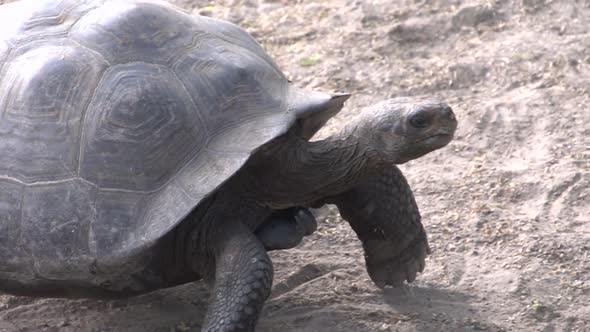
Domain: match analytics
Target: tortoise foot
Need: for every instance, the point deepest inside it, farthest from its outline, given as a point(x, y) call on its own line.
point(285, 229)
point(389, 269)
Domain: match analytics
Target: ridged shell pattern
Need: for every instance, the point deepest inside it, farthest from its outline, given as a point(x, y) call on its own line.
point(116, 119)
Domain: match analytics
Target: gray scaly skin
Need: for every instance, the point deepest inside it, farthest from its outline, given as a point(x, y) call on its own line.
point(383, 213)
point(354, 169)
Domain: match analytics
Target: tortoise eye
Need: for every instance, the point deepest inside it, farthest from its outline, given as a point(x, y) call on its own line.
point(419, 121)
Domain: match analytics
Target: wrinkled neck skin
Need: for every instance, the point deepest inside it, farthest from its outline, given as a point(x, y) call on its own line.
point(307, 173)
point(289, 171)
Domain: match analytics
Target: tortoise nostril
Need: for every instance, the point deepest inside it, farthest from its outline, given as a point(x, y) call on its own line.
point(447, 111)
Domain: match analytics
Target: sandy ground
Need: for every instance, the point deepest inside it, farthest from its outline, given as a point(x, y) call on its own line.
point(506, 205)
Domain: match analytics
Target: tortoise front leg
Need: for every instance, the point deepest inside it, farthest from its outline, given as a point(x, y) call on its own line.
point(383, 213)
point(243, 278)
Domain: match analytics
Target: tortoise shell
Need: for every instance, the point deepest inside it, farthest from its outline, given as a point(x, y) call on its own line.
point(116, 119)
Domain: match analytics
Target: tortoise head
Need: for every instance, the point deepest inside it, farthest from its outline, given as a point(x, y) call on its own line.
point(402, 129)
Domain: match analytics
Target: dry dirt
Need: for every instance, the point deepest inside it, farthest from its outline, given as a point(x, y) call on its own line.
point(506, 205)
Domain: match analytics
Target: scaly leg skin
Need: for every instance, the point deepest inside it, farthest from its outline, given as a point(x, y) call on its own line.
point(285, 229)
point(243, 279)
point(383, 213)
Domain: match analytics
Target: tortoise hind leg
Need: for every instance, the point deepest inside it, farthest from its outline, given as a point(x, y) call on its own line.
point(243, 278)
point(285, 229)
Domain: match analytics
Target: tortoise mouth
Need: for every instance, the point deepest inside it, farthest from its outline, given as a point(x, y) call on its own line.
point(446, 137)
point(434, 142)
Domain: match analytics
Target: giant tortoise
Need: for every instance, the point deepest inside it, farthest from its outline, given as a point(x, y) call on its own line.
point(143, 148)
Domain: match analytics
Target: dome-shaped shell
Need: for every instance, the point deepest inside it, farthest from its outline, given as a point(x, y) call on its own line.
point(116, 119)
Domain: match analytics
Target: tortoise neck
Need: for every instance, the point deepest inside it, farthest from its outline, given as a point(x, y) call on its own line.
point(314, 171)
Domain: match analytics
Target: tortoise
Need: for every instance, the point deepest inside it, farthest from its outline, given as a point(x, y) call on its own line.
point(142, 147)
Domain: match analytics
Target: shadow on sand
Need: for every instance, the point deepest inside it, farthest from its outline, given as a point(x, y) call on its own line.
point(439, 309)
